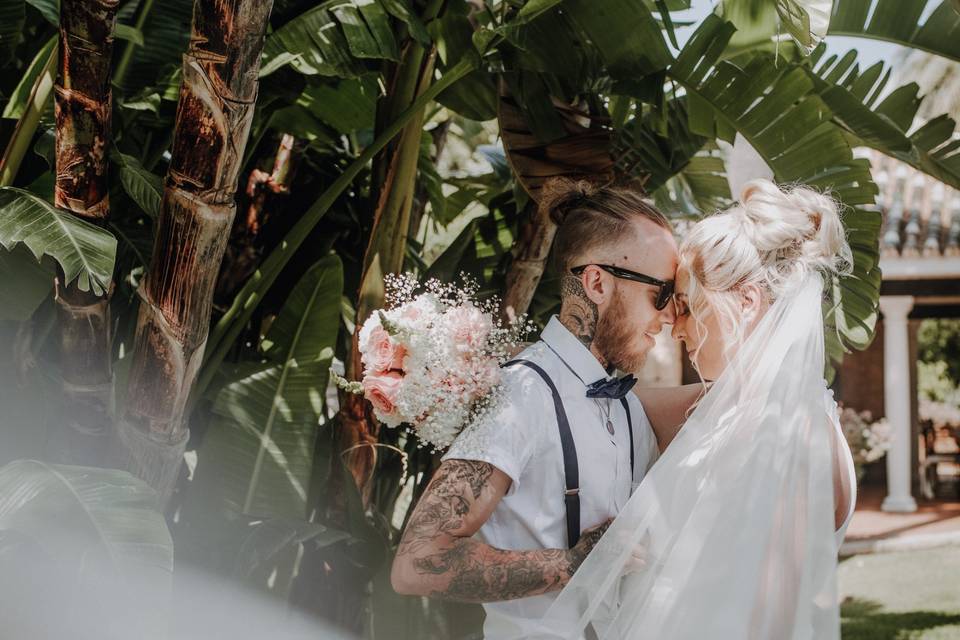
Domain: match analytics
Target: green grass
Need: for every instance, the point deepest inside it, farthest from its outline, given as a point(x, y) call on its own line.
point(913, 595)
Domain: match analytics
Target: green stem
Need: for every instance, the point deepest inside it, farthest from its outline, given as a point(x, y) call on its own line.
point(22, 137)
point(126, 57)
point(230, 325)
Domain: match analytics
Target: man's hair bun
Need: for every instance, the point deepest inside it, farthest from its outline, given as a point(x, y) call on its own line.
point(561, 196)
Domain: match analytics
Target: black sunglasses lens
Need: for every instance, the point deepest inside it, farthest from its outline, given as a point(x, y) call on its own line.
point(664, 296)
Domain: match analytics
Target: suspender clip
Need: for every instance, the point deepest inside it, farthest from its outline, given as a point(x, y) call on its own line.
point(572, 492)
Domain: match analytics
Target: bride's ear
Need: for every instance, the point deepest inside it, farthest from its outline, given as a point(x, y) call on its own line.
point(752, 301)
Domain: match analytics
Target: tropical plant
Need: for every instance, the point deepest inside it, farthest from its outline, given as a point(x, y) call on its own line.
point(87, 543)
point(939, 345)
point(359, 138)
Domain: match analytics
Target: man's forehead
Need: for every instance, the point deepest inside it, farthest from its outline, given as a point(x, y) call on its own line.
point(653, 253)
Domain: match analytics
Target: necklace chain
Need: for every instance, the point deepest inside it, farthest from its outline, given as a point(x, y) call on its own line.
point(605, 415)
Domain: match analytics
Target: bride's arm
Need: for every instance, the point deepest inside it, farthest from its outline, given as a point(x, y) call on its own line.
point(667, 408)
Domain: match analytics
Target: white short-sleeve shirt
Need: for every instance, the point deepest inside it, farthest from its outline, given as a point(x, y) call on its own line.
point(521, 438)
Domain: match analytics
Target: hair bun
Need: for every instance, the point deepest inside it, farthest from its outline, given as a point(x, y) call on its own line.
point(795, 225)
point(560, 196)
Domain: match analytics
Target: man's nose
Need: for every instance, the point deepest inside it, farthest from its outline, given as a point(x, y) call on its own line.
point(668, 315)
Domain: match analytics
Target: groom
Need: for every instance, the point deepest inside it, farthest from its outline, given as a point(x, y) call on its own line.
point(523, 496)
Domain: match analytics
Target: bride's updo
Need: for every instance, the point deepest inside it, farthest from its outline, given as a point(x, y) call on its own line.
point(772, 238)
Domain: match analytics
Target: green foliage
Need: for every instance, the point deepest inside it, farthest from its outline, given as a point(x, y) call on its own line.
point(266, 466)
point(84, 252)
point(12, 17)
point(934, 383)
point(899, 21)
point(938, 343)
point(332, 39)
point(17, 103)
point(143, 187)
point(257, 455)
point(94, 538)
point(853, 97)
point(26, 283)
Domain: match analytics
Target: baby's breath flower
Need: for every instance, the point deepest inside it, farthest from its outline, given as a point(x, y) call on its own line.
point(342, 383)
point(451, 346)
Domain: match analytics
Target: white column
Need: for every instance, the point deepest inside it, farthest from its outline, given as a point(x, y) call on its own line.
point(897, 401)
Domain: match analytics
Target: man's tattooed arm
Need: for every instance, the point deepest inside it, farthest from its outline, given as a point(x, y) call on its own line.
point(437, 557)
point(578, 313)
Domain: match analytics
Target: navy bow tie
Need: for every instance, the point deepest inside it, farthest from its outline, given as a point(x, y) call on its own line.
point(615, 388)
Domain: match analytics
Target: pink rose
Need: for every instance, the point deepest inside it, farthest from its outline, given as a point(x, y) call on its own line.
point(470, 328)
point(382, 390)
point(382, 353)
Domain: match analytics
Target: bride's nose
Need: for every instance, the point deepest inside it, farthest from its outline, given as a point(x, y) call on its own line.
point(679, 331)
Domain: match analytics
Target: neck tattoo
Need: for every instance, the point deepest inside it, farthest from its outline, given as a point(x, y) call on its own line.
point(579, 314)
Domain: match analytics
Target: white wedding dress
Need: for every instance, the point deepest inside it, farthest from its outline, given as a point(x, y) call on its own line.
point(737, 516)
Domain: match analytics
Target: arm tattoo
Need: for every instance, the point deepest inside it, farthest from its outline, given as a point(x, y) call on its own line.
point(476, 572)
point(453, 566)
point(578, 313)
point(585, 545)
point(445, 504)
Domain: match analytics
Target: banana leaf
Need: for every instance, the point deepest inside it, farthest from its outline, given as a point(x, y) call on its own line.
point(91, 547)
point(85, 252)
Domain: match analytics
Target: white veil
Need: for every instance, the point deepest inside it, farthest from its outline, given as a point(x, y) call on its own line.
point(736, 515)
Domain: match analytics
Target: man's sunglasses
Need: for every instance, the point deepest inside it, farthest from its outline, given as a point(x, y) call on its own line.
point(663, 295)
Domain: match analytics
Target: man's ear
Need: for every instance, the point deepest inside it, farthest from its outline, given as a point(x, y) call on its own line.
point(596, 284)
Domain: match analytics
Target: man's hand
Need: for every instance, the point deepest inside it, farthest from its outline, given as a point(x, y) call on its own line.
point(588, 540)
point(437, 556)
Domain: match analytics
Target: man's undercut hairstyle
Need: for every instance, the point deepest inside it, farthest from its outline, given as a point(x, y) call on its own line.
point(590, 216)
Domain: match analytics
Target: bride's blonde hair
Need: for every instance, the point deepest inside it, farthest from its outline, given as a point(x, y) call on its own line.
point(772, 238)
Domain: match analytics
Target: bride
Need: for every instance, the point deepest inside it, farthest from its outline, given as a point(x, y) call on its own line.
point(735, 530)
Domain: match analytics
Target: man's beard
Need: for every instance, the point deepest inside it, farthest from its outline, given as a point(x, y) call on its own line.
point(615, 335)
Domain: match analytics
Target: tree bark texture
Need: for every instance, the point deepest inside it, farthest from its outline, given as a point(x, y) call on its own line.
point(217, 97)
point(83, 102)
point(530, 252)
point(583, 151)
point(264, 194)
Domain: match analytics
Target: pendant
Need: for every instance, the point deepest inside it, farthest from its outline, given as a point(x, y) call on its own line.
point(610, 427)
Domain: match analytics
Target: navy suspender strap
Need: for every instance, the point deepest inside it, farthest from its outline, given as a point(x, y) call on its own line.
point(626, 407)
point(571, 470)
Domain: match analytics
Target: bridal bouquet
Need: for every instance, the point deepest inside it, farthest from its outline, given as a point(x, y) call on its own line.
point(869, 440)
point(431, 359)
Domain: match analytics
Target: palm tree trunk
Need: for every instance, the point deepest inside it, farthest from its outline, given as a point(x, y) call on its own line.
point(421, 196)
point(264, 195)
point(530, 252)
point(83, 106)
point(217, 98)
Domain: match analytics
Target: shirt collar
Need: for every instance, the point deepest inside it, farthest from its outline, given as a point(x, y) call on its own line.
point(574, 354)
